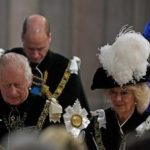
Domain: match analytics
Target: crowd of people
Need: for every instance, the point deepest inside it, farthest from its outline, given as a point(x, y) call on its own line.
point(42, 101)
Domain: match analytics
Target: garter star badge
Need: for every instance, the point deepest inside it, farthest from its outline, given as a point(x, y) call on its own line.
point(75, 119)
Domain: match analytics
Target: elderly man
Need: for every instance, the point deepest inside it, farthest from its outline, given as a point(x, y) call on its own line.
point(18, 107)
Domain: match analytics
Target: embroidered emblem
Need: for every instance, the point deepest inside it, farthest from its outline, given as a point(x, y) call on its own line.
point(15, 120)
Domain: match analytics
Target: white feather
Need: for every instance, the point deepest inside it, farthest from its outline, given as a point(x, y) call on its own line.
point(126, 59)
point(1, 51)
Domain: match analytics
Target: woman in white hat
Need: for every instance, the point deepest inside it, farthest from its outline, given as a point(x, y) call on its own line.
point(123, 75)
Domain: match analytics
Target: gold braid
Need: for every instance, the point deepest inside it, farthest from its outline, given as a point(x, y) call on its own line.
point(56, 94)
point(98, 135)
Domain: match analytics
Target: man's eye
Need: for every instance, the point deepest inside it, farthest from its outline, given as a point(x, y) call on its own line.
point(39, 49)
point(17, 85)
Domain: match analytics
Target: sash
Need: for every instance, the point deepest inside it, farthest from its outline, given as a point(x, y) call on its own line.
point(50, 96)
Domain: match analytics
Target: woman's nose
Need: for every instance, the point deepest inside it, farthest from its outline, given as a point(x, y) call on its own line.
point(118, 97)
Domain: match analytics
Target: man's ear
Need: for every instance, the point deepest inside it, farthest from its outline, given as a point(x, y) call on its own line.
point(30, 83)
point(50, 38)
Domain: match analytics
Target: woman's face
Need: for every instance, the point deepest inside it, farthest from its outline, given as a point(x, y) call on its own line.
point(123, 100)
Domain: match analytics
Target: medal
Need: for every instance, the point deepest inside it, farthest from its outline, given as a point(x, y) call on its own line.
point(55, 111)
point(75, 119)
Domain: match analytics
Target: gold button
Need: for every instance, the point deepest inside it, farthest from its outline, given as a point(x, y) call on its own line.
point(76, 120)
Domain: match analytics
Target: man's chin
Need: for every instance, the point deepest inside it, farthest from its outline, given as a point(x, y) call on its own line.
point(14, 102)
point(34, 60)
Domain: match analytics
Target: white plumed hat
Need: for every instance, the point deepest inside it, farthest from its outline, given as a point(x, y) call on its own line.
point(123, 62)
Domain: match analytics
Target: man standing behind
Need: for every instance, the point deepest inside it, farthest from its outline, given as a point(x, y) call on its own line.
point(53, 72)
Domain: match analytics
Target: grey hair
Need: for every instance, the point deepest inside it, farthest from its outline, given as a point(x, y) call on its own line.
point(18, 61)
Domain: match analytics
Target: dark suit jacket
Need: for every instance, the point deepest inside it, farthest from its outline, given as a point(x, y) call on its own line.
point(25, 115)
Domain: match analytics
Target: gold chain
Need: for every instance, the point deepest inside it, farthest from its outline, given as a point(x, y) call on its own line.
point(57, 93)
point(43, 115)
point(98, 136)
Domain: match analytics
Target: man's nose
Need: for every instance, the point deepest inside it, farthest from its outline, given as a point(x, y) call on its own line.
point(35, 53)
point(12, 89)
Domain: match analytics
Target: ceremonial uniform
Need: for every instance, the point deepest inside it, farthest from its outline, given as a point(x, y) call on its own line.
point(109, 134)
point(27, 114)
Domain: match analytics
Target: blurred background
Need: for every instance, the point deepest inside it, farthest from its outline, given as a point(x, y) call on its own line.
point(78, 28)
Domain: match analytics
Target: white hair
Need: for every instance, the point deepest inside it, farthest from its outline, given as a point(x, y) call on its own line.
point(18, 61)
